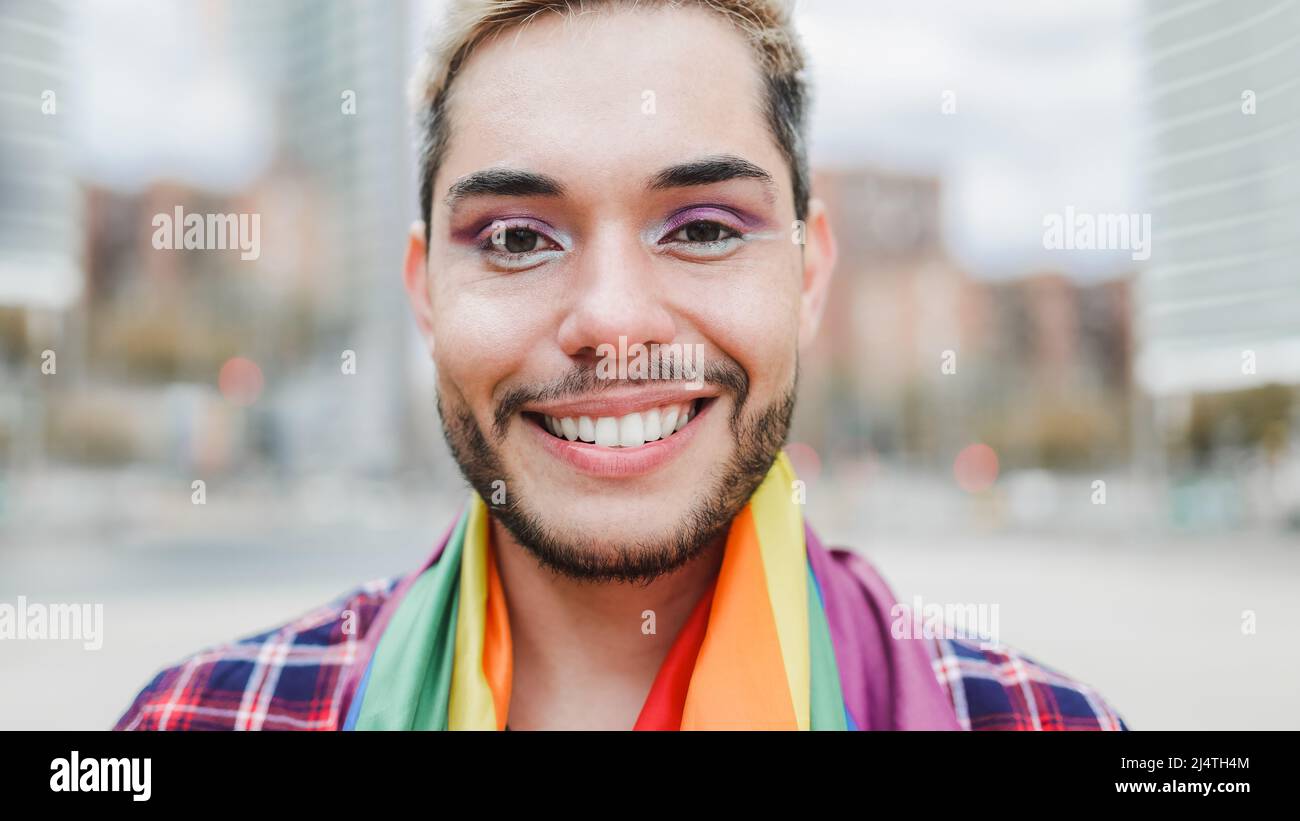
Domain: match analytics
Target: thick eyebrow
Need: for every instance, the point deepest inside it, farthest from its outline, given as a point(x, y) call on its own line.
point(512, 182)
point(708, 170)
point(503, 182)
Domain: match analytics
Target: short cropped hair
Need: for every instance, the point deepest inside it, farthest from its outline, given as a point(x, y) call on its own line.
point(765, 24)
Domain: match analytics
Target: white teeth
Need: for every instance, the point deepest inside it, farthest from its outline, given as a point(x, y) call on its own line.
point(669, 421)
point(629, 431)
point(683, 417)
point(569, 427)
point(607, 431)
point(651, 418)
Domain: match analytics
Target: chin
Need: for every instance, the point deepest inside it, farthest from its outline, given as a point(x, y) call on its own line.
point(647, 509)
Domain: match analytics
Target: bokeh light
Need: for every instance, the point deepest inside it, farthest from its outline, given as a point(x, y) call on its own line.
point(976, 468)
point(240, 381)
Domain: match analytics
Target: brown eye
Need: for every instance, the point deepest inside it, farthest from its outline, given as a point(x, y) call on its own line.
point(520, 240)
point(703, 231)
point(703, 239)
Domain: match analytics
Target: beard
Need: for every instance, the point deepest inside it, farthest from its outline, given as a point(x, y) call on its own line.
point(758, 436)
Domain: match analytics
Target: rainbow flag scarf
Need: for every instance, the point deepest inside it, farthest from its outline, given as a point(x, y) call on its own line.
point(756, 652)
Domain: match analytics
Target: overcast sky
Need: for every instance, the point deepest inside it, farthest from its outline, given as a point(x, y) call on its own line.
point(1048, 107)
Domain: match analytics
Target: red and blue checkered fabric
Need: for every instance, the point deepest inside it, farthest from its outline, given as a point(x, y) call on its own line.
point(292, 677)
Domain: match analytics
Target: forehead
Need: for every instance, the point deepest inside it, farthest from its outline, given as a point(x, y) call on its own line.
point(608, 96)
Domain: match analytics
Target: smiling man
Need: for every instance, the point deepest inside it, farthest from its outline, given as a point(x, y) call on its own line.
point(597, 179)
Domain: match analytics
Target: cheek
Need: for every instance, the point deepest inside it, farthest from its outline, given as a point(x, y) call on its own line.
point(479, 341)
point(757, 325)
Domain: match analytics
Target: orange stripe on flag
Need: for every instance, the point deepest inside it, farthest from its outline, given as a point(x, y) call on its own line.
point(498, 655)
point(740, 680)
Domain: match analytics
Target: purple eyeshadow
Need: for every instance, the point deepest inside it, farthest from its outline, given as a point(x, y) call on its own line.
point(709, 213)
point(480, 235)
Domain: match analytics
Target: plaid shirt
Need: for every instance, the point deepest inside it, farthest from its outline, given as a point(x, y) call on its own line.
point(291, 678)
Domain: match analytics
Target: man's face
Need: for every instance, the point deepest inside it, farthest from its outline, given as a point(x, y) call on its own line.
point(648, 200)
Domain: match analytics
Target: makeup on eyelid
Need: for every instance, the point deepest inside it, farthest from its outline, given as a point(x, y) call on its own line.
point(728, 217)
point(480, 235)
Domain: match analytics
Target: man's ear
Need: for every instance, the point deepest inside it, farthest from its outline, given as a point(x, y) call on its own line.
point(819, 256)
point(415, 276)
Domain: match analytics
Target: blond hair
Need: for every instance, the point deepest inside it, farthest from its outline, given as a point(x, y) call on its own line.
point(765, 24)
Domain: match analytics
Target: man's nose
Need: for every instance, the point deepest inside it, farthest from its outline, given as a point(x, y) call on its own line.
point(617, 292)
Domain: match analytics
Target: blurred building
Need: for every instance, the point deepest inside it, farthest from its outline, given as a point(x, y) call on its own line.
point(897, 302)
point(41, 275)
point(39, 213)
point(1222, 284)
point(917, 358)
point(334, 187)
point(336, 76)
point(1218, 308)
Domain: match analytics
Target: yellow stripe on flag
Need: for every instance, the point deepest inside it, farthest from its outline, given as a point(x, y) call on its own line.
point(780, 535)
point(471, 703)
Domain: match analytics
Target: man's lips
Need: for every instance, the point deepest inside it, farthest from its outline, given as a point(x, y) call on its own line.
point(609, 461)
point(620, 403)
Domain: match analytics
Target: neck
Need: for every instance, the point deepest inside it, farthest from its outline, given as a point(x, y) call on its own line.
point(583, 654)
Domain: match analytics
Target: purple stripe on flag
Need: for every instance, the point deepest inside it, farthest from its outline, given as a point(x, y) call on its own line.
point(888, 683)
